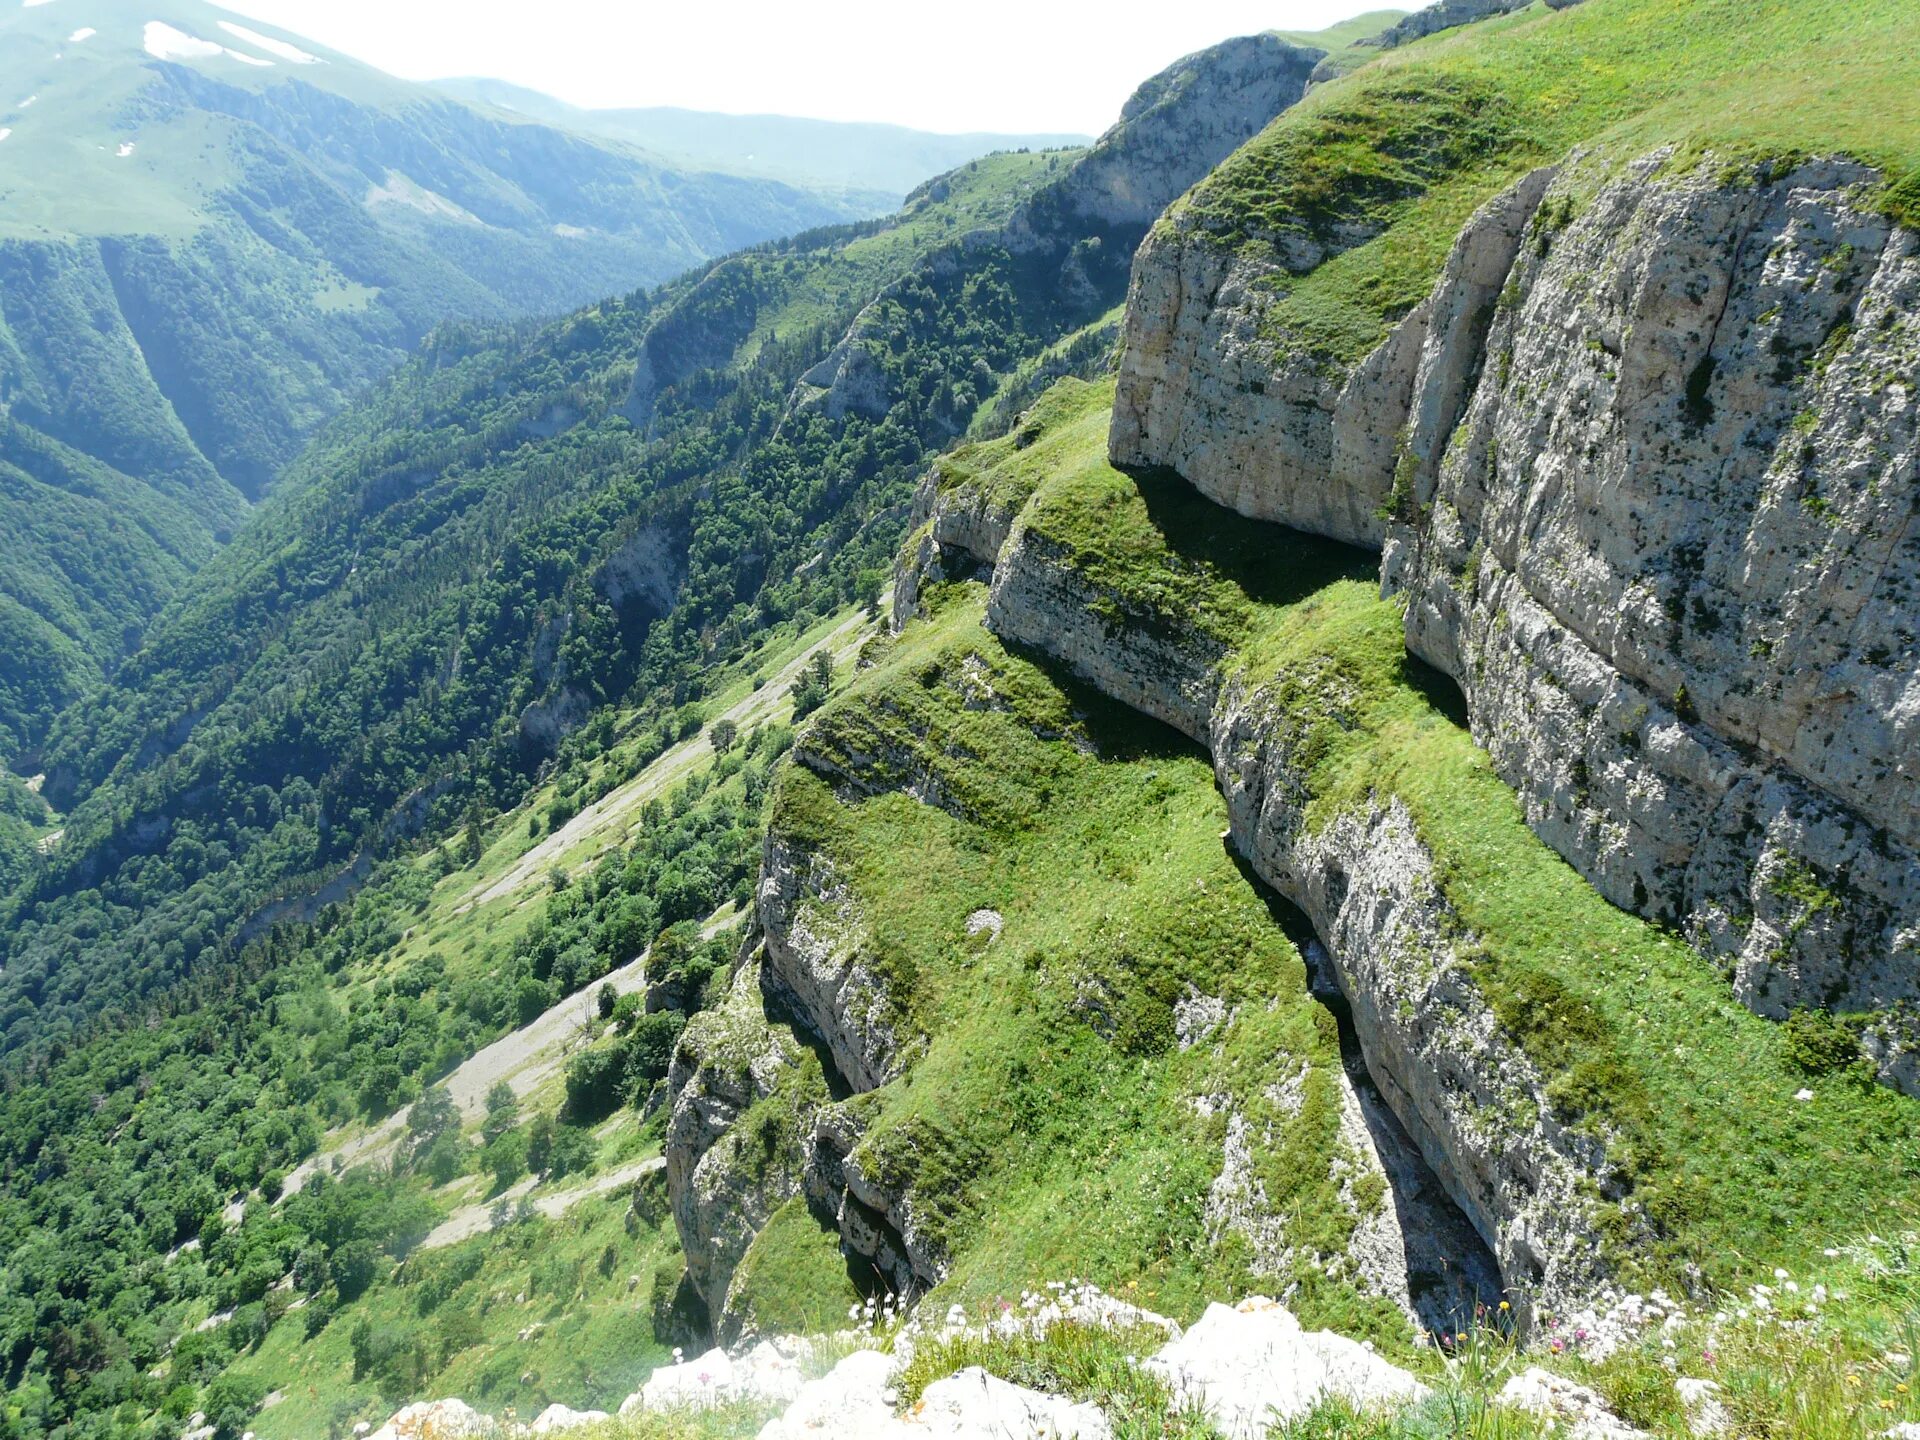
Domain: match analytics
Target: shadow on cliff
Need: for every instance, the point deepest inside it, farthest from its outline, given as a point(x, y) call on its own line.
point(1449, 1268)
point(1271, 564)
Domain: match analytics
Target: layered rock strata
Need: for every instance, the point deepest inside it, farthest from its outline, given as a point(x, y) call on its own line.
point(1649, 485)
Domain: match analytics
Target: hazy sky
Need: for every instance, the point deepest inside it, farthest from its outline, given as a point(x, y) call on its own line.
point(1027, 65)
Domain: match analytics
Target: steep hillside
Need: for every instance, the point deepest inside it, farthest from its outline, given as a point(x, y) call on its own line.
point(877, 164)
point(537, 562)
point(1554, 469)
point(1634, 436)
point(212, 236)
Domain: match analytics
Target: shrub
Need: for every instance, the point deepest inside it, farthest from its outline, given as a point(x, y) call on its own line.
point(1820, 1043)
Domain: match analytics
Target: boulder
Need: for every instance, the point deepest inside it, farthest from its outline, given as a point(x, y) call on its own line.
point(450, 1419)
point(1705, 1411)
point(1251, 1365)
point(556, 1418)
point(1580, 1410)
point(848, 1403)
point(973, 1405)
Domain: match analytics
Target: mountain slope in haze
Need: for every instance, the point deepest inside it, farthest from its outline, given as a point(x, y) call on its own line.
point(211, 235)
point(856, 159)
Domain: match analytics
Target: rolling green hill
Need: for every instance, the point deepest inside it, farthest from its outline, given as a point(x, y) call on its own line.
point(211, 236)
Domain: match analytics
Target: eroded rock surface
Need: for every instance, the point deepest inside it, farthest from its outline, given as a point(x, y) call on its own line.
point(723, 1185)
point(1645, 465)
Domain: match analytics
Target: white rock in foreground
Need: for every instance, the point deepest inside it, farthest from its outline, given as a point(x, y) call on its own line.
point(716, 1378)
point(1583, 1412)
point(1706, 1414)
point(848, 1403)
point(697, 1384)
point(973, 1405)
point(557, 1417)
point(1252, 1366)
point(437, 1420)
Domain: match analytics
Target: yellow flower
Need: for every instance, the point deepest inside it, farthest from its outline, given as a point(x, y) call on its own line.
point(1853, 1379)
point(1505, 1306)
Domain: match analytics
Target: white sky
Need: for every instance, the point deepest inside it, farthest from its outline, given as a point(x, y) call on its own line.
point(1005, 65)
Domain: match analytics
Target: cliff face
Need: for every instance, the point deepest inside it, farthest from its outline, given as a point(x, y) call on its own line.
point(1644, 467)
point(1176, 128)
point(1477, 1109)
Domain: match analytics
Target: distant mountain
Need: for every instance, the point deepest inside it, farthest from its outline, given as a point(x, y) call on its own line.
point(865, 163)
point(212, 234)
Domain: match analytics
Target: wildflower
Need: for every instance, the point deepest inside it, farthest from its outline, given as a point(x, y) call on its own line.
point(1505, 1306)
point(1853, 1379)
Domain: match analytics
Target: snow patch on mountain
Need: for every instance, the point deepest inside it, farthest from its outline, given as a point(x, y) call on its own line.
point(292, 54)
point(164, 42)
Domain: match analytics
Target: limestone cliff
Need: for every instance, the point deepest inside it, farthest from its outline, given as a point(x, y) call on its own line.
point(1644, 467)
point(1475, 1106)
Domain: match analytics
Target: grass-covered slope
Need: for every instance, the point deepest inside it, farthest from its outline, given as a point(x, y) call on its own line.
point(1380, 170)
point(1644, 1044)
point(1058, 1118)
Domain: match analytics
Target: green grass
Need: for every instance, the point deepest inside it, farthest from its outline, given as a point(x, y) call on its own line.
point(568, 1285)
point(1398, 153)
point(979, 194)
point(1047, 1126)
point(793, 1279)
point(1347, 32)
point(1642, 1037)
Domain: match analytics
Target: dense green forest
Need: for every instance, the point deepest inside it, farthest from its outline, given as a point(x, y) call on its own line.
point(202, 262)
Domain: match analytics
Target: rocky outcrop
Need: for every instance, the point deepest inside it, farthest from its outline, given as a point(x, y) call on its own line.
point(1645, 468)
point(849, 381)
point(819, 964)
point(1252, 1366)
point(1173, 130)
point(1464, 1090)
point(644, 576)
point(722, 1182)
point(1039, 598)
point(1476, 1107)
point(1209, 389)
point(1671, 558)
point(882, 1224)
